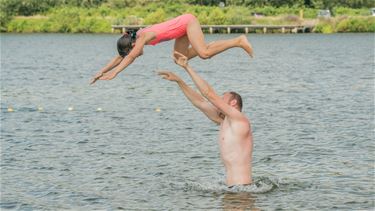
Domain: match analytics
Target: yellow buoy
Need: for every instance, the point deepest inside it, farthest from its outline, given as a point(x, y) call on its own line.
point(70, 108)
point(10, 109)
point(99, 109)
point(40, 108)
point(157, 110)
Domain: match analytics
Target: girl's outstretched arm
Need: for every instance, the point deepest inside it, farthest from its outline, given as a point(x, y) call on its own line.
point(134, 53)
point(113, 63)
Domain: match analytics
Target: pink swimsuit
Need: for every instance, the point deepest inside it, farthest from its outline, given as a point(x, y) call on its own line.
point(168, 30)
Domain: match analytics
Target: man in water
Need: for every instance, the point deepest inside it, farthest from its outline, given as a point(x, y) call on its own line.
point(235, 137)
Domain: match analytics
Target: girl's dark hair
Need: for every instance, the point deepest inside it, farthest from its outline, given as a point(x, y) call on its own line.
point(124, 43)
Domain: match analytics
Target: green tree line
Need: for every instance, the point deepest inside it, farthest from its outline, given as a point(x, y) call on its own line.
point(31, 7)
point(99, 15)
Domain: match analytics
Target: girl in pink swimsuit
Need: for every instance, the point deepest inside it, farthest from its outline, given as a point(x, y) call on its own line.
point(185, 29)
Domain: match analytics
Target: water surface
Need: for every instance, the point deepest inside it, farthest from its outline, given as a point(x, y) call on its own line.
point(310, 99)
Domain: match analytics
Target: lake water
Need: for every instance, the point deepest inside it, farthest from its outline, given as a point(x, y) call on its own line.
point(310, 99)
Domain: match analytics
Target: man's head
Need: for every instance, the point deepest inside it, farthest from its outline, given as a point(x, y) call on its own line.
point(233, 99)
point(126, 43)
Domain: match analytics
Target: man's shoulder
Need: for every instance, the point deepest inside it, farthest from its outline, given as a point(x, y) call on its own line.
point(241, 122)
point(240, 117)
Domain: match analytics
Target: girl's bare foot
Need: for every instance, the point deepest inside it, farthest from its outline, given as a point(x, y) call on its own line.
point(245, 44)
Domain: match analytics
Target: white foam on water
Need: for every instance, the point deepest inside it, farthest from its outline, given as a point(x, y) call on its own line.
point(215, 185)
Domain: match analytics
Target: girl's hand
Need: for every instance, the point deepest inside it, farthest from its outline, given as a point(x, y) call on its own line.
point(96, 77)
point(108, 75)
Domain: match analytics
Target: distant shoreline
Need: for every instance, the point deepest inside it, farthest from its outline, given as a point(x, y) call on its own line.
point(342, 24)
point(262, 19)
point(233, 28)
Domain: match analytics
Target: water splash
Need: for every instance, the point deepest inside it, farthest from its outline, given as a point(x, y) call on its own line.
point(216, 185)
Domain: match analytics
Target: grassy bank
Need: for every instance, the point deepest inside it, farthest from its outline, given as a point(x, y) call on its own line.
point(346, 24)
point(100, 19)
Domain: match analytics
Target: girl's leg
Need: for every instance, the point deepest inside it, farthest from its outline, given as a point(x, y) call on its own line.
point(181, 45)
point(192, 53)
point(196, 39)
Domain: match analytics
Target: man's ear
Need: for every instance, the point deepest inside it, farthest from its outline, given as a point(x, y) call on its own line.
point(233, 102)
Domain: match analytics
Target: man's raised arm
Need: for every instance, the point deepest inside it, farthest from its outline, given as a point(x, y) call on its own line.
point(195, 98)
point(206, 90)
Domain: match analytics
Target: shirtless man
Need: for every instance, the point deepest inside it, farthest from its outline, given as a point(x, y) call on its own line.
point(235, 138)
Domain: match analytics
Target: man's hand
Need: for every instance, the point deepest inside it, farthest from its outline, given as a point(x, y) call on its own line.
point(180, 59)
point(169, 76)
point(96, 77)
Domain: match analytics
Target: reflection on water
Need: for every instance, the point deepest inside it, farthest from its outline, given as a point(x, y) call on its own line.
point(310, 101)
point(239, 201)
